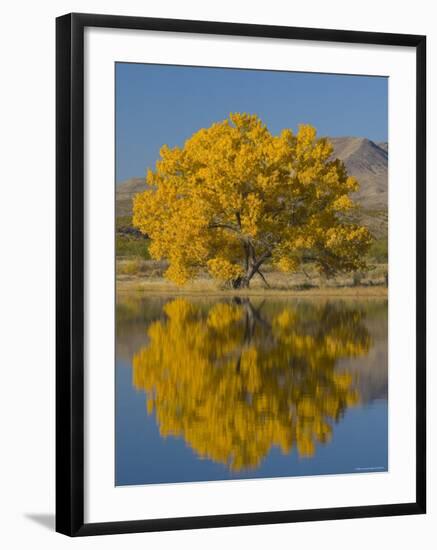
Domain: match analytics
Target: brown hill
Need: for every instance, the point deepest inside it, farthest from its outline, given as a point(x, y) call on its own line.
point(124, 193)
point(368, 162)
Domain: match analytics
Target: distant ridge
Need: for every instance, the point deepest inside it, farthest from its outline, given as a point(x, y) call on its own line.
point(368, 162)
point(383, 145)
point(124, 193)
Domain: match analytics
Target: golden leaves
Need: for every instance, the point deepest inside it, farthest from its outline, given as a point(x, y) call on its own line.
point(223, 269)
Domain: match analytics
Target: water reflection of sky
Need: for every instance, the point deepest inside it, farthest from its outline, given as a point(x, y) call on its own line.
point(358, 441)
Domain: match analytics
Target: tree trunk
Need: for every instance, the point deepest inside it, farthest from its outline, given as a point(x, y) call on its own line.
point(252, 267)
point(244, 281)
point(241, 282)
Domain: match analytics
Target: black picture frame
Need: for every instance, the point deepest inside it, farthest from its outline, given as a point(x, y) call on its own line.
point(70, 273)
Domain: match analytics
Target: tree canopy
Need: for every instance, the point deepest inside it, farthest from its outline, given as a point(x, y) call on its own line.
point(235, 196)
point(234, 381)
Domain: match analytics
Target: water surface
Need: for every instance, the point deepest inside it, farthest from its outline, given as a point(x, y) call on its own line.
point(233, 388)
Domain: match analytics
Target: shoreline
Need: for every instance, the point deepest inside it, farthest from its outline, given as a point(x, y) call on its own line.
point(163, 288)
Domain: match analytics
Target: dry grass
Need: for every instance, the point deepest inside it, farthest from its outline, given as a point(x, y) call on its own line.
point(139, 268)
point(147, 276)
point(206, 286)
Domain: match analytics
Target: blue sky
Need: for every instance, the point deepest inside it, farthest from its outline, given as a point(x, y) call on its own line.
point(157, 104)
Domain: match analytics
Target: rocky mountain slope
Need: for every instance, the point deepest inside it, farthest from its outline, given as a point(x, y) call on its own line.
point(368, 162)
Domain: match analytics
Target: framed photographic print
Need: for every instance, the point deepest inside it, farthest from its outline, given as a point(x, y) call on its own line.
point(240, 274)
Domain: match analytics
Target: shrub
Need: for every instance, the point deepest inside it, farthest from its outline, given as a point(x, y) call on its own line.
point(127, 245)
point(129, 267)
point(379, 251)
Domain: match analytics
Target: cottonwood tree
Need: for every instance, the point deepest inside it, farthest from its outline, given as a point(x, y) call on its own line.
point(235, 196)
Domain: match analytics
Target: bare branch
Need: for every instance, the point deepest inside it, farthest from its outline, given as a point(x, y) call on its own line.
point(263, 278)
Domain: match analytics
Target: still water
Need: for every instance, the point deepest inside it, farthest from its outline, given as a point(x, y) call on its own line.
point(233, 388)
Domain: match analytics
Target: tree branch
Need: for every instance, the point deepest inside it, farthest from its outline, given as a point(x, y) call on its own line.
point(263, 278)
point(262, 259)
point(223, 226)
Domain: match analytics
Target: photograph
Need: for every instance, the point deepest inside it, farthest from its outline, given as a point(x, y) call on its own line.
point(220, 251)
point(251, 274)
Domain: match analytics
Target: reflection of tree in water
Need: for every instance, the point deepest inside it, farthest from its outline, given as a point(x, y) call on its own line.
point(233, 382)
